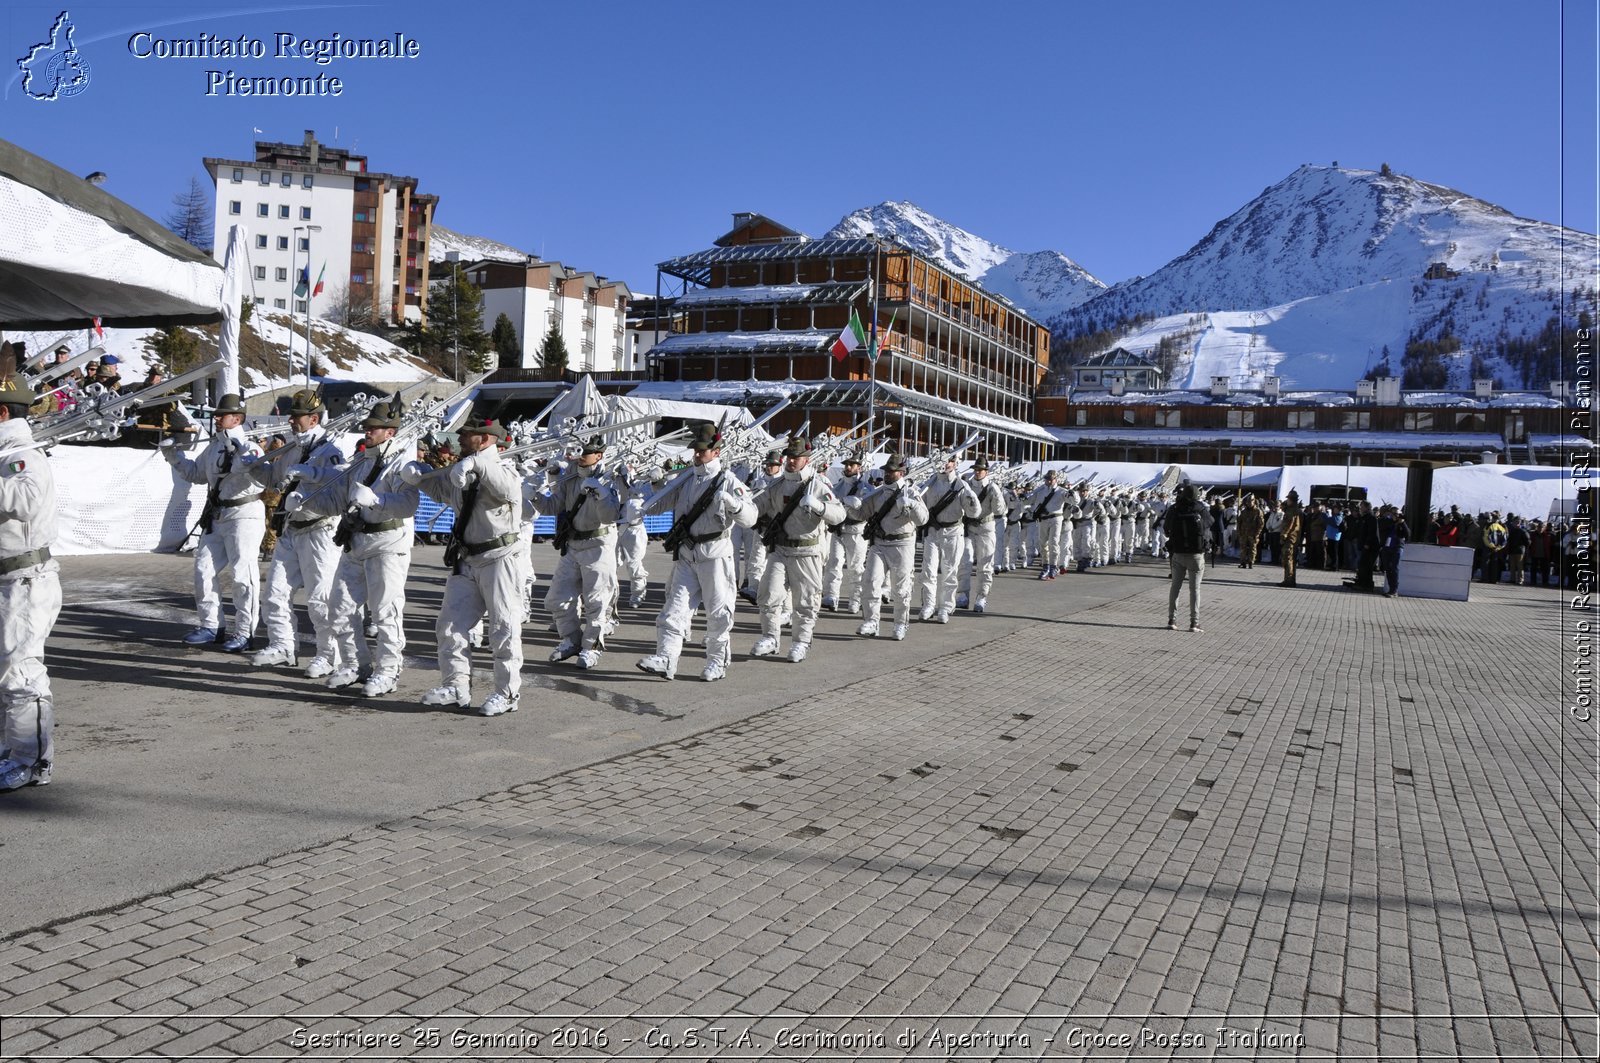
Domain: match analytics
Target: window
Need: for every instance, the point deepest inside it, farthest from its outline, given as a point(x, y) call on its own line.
point(261, 273)
point(305, 182)
point(305, 213)
point(266, 177)
point(1472, 421)
point(283, 274)
point(1419, 421)
point(261, 300)
point(288, 179)
point(1300, 419)
point(358, 278)
point(1081, 417)
point(1356, 420)
point(278, 303)
point(261, 241)
point(235, 207)
point(1169, 418)
point(261, 210)
point(1089, 378)
point(283, 243)
point(360, 215)
point(238, 174)
point(283, 210)
point(299, 306)
point(305, 243)
point(1241, 418)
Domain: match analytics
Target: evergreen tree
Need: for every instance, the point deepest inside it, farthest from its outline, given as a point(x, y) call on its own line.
point(553, 351)
point(175, 347)
point(190, 216)
point(504, 341)
point(455, 322)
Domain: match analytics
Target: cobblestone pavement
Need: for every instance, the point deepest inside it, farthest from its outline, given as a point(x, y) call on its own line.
point(1330, 826)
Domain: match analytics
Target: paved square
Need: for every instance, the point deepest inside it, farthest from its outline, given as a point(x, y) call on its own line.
point(1330, 826)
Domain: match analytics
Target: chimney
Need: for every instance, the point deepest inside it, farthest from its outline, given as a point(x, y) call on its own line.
point(1220, 386)
point(311, 146)
point(1271, 386)
point(1365, 389)
point(1483, 388)
point(1388, 391)
point(1558, 389)
point(1119, 386)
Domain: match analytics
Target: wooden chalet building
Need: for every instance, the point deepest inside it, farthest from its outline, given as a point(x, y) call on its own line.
point(764, 305)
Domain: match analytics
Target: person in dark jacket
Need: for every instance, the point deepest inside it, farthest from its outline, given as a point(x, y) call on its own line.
point(1188, 529)
point(1364, 534)
point(1392, 536)
point(1516, 547)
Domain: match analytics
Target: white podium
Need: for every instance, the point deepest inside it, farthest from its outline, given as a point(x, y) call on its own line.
point(1435, 572)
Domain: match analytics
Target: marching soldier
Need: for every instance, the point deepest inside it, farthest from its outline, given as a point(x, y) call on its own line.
point(485, 558)
point(797, 507)
point(231, 526)
point(1102, 528)
point(632, 536)
point(747, 541)
point(1047, 501)
point(893, 512)
point(950, 501)
point(1083, 527)
point(1126, 510)
point(305, 554)
point(847, 550)
point(977, 573)
point(707, 501)
point(1019, 516)
point(586, 507)
point(30, 596)
point(375, 531)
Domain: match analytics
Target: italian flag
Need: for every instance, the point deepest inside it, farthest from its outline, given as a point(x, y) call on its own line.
point(852, 337)
point(323, 273)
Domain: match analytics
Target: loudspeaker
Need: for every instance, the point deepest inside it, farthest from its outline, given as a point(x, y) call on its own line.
point(1419, 496)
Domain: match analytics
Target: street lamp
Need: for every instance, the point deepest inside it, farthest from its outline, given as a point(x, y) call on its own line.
point(308, 230)
point(454, 258)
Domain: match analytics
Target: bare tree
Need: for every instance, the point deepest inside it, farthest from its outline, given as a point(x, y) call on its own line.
point(190, 216)
point(350, 305)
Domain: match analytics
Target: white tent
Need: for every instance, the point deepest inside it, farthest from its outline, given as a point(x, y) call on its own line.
point(70, 252)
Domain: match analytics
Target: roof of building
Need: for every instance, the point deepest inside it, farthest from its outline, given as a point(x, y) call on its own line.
point(1286, 440)
point(1117, 357)
point(804, 340)
point(762, 294)
point(1199, 397)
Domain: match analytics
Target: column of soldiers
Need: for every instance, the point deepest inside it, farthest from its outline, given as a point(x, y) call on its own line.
point(784, 533)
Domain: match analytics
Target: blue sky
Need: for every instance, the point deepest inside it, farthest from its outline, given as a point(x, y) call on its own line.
point(613, 136)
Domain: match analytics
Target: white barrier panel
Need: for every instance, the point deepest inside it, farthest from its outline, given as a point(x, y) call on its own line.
point(119, 500)
point(1435, 572)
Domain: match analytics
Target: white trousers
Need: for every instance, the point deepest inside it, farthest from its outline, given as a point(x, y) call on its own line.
point(1016, 555)
point(1049, 540)
point(751, 553)
point(977, 563)
point(305, 558)
point(889, 565)
point(488, 588)
point(1083, 533)
point(28, 610)
point(941, 555)
point(232, 543)
point(796, 574)
point(582, 589)
point(691, 583)
point(631, 542)
point(378, 581)
point(847, 560)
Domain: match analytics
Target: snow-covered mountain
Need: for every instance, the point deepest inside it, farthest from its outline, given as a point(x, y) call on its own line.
point(441, 241)
point(1313, 278)
point(1042, 283)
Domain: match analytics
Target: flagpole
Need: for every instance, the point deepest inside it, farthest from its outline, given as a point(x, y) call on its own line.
point(872, 351)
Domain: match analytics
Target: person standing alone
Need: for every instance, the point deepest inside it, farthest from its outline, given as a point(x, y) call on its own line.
point(1188, 537)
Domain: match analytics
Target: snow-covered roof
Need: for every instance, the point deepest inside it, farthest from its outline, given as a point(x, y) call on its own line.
point(1431, 399)
point(808, 340)
point(1115, 358)
point(969, 414)
point(1243, 438)
point(771, 293)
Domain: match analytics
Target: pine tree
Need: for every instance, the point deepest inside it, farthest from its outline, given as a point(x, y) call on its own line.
point(504, 341)
point(553, 352)
point(455, 321)
point(190, 216)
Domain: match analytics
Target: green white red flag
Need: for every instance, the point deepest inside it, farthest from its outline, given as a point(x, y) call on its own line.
point(850, 338)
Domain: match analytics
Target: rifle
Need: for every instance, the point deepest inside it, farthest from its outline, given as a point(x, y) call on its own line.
point(679, 532)
point(923, 471)
point(741, 437)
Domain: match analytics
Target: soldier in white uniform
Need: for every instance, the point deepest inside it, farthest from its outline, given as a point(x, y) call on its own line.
point(893, 512)
point(305, 555)
point(376, 532)
point(1047, 500)
point(30, 596)
point(1084, 529)
point(950, 501)
point(586, 507)
point(1102, 528)
point(847, 550)
point(232, 525)
point(747, 541)
point(1015, 552)
point(1142, 513)
point(485, 559)
point(707, 501)
point(796, 506)
point(632, 536)
point(977, 566)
